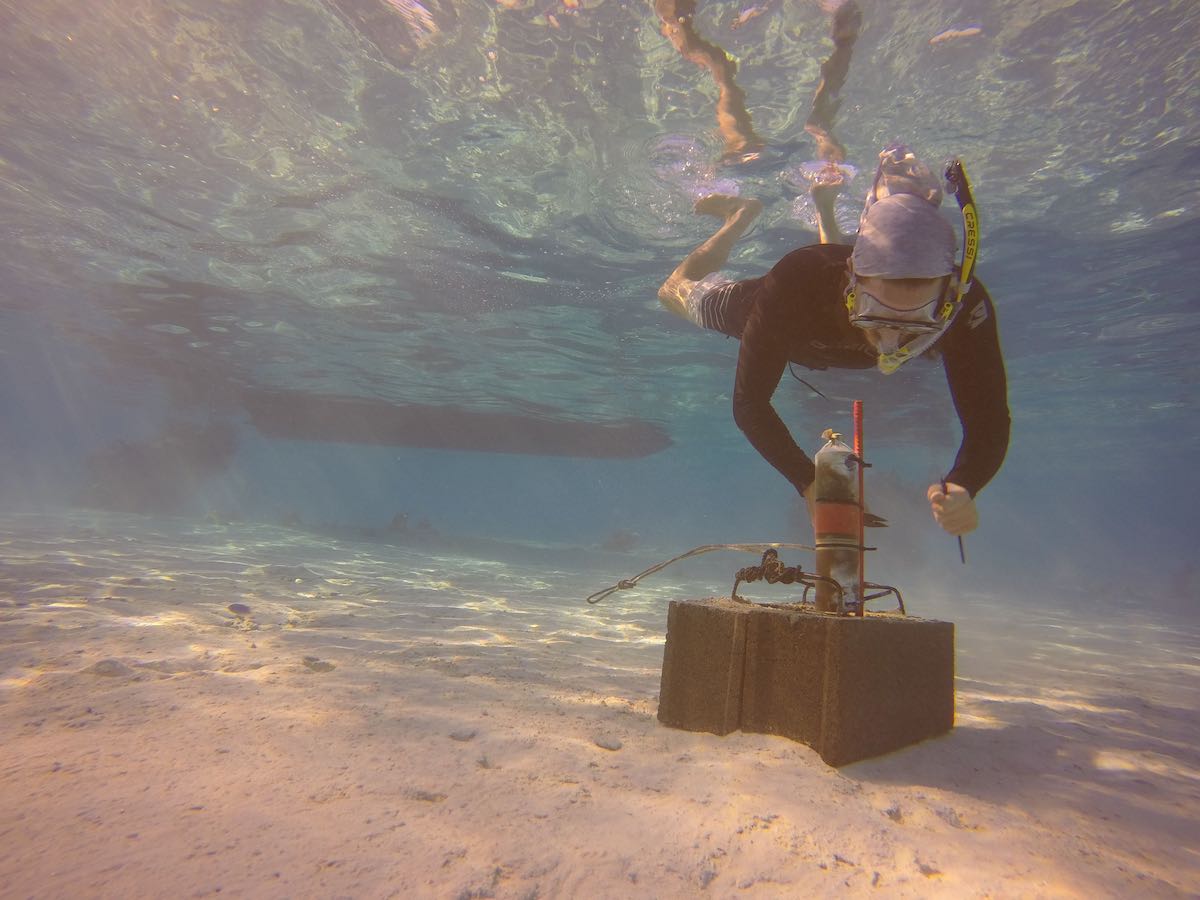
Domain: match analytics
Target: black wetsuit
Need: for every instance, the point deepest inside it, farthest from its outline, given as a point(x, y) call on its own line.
point(797, 313)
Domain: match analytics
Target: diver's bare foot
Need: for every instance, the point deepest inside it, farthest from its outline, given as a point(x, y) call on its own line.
point(723, 206)
point(824, 193)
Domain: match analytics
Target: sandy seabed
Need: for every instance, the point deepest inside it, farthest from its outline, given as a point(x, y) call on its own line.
point(385, 721)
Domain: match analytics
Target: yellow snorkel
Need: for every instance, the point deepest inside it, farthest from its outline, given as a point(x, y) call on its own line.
point(956, 179)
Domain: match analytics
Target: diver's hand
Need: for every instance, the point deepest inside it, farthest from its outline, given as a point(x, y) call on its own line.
point(953, 509)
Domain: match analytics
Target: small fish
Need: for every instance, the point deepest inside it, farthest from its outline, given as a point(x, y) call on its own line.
point(953, 34)
point(750, 12)
point(419, 19)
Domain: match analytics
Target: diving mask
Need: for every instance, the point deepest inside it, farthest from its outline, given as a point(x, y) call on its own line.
point(870, 313)
point(899, 334)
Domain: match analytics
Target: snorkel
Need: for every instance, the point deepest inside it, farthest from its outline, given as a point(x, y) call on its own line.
point(956, 180)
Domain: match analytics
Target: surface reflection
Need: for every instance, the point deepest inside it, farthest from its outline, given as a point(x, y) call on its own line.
point(733, 120)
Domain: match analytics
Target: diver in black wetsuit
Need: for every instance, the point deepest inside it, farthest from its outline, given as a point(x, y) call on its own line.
point(892, 297)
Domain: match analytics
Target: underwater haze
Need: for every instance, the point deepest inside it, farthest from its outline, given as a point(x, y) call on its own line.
point(343, 313)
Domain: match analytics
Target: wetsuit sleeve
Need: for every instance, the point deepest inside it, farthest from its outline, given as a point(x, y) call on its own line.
point(761, 362)
point(979, 387)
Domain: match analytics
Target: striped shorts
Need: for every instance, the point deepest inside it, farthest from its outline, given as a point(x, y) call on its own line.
point(718, 303)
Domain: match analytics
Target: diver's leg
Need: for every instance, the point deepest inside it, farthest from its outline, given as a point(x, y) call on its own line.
point(847, 22)
point(738, 213)
point(733, 119)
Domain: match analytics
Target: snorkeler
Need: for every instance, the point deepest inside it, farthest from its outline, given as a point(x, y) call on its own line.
point(898, 294)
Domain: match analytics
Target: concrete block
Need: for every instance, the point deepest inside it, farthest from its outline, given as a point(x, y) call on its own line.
point(703, 665)
point(785, 675)
point(849, 687)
